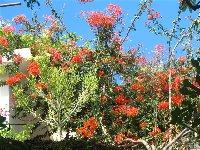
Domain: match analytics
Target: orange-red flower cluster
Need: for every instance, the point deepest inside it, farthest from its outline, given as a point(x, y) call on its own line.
point(182, 59)
point(99, 20)
point(119, 137)
point(177, 99)
point(121, 99)
point(3, 41)
point(56, 55)
point(17, 77)
point(100, 72)
point(89, 127)
point(126, 110)
point(163, 105)
point(103, 98)
point(141, 125)
point(115, 10)
point(33, 68)
point(77, 59)
point(8, 29)
point(140, 98)
point(118, 88)
point(19, 19)
point(138, 87)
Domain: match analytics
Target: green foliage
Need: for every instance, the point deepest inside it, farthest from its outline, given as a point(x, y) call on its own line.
point(188, 88)
point(189, 113)
point(12, 134)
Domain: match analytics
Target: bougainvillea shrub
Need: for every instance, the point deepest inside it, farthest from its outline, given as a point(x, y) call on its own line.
point(102, 92)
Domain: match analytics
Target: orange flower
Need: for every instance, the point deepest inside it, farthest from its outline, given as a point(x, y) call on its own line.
point(117, 88)
point(19, 18)
point(121, 99)
point(140, 98)
point(15, 78)
point(8, 29)
point(119, 137)
point(126, 110)
point(89, 127)
point(103, 98)
point(155, 131)
point(141, 125)
point(163, 105)
point(3, 41)
point(77, 59)
point(101, 72)
point(177, 99)
point(33, 68)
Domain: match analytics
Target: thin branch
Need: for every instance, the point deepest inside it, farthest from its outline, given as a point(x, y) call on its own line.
point(136, 18)
point(175, 139)
point(139, 142)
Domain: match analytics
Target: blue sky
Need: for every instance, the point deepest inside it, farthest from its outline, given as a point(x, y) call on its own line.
point(167, 8)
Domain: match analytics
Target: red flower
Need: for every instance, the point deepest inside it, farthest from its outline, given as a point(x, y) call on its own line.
point(115, 10)
point(8, 29)
point(177, 99)
point(19, 19)
point(33, 68)
point(101, 72)
point(182, 59)
point(3, 41)
point(150, 17)
point(17, 77)
point(121, 99)
point(157, 14)
point(56, 55)
point(141, 60)
point(159, 48)
point(138, 87)
point(99, 20)
point(117, 88)
point(155, 131)
point(141, 125)
point(89, 127)
point(163, 105)
point(21, 30)
point(140, 98)
point(126, 110)
point(77, 59)
point(167, 135)
point(103, 98)
point(119, 137)
point(120, 60)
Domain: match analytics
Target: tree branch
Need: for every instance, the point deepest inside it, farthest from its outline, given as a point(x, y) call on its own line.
point(193, 7)
point(139, 142)
point(175, 139)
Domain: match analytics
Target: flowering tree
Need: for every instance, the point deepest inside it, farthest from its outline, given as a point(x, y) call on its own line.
point(71, 86)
